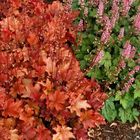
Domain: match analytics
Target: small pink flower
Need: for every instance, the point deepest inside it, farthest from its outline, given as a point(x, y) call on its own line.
point(81, 25)
point(121, 34)
point(127, 50)
point(122, 64)
point(131, 73)
point(99, 57)
point(114, 20)
point(137, 68)
point(137, 22)
point(86, 11)
point(133, 52)
point(93, 2)
point(100, 8)
point(115, 12)
point(126, 6)
point(81, 3)
point(128, 84)
point(105, 36)
point(69, 4)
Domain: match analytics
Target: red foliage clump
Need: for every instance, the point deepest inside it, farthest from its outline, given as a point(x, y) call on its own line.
point(43, 93)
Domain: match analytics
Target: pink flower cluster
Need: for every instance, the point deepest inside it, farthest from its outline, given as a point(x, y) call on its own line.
point(100, 8)
point(137, 22)
point(98, 57)
point(81, 3)
point(121, 34)
point(109, 21)
point(107, 29)
point(128, 50)
point(136, 69)
point(126, 6)
point(128, 84)
point(122, 64)
point(115, 12)
point(68, 3)
point(81, 25)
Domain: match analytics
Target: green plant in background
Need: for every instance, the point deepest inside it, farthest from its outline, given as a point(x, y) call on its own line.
point(109, 52)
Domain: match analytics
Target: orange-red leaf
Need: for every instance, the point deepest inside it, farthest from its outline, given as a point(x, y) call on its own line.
point(56, 100)
point(63, 133)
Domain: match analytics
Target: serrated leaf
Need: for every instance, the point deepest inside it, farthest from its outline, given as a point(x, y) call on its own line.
point(126, 115)
point(80, 56)
point(106, 61)
point(136, 113)
point(136, 94)
point(118, 96)
point(136, 86)
point(109, 110)
point(93, 13)
point(127, 101)
point(131, 63)
point(82, 64)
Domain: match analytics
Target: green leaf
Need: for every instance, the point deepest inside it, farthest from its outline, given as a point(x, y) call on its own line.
point(83, 64)
point(122, 115)
point(126, 115)
point(84, 49)
point(118, 96)
point(127, 101)
point(106, 61)
point(87, 58)
point(91, 37)
point(136, 86)
point(136, 113)
point(136, 94)
point(131, 63)
point(80, 55)
point(95, 73)
point(109, 110)
point(93, 13)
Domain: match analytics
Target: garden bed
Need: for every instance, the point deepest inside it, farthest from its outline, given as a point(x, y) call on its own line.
point(116, 131)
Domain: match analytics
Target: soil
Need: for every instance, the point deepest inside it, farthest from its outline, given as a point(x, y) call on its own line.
point(116, 131)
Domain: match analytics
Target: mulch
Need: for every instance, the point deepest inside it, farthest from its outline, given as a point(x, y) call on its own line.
point(116, 131)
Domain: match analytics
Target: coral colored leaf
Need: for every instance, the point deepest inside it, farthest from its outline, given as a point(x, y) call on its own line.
point(81, 134)
point(14, 134)
point(2, 97)
point(32, 39)
point(12, 108)
point(28, 132)
point(43, 133)
point(79, 104)
point(4, 133)
point(63, 133)
point(91, 119)
point(56, 100)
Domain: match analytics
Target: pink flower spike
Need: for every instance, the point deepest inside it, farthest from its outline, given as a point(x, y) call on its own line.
point(137, 22)
point(122, 64)
point(99, 57)
point(121, 34)
point(86, 11)
point(100, 8)
point(137, 68)
point(127, 50)
point(126, 6)
point(128, 84)
point(133, 52)
point(105, 36)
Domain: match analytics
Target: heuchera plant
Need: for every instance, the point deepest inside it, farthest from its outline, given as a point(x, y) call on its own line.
point(109, 51)
point(43, 93)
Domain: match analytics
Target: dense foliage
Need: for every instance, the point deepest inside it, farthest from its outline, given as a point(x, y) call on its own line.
point(43, 93)
point(109, 51)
